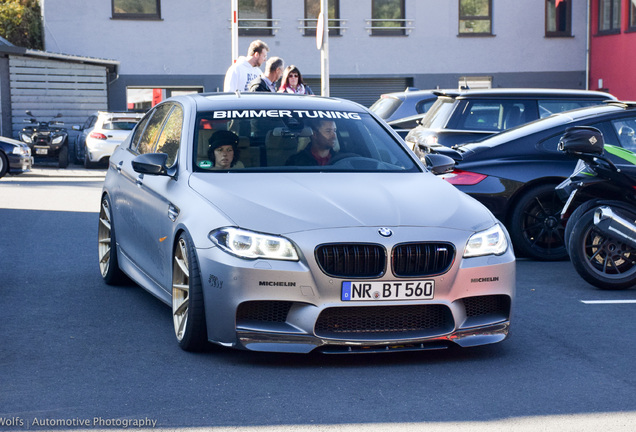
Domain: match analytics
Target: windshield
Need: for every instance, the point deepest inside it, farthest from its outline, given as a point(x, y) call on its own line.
point(296, 140)
point(120, 124)
point(439, 113)
point(385, 106)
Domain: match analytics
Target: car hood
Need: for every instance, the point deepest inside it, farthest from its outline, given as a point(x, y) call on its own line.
point(282, 203)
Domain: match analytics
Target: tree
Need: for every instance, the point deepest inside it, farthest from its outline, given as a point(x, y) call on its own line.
point(21, 23)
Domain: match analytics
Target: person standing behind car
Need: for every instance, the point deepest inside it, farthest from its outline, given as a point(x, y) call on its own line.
point(246, 69)
point(292, 82)
point(273, 72)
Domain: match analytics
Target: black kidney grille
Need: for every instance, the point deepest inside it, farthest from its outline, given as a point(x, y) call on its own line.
point(422, 259)
point(377, 320)
point(352, 260)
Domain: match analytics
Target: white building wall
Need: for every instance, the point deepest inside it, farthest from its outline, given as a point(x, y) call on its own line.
point(193, 39)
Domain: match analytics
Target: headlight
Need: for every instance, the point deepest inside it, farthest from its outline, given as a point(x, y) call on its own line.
point(489, 242)
point(58, 140)
point(249, 244)
point(20, 150)
point(26, 138)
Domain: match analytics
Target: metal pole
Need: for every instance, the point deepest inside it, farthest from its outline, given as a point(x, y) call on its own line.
point(234, 19)
point(324, 50)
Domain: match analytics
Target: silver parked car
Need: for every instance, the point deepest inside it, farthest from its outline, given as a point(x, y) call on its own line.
point(101, 133)
point(275, 222)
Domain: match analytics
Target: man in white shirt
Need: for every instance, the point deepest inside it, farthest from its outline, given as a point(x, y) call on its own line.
point(246, 69)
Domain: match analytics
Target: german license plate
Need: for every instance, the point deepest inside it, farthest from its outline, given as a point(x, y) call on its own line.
point(411, 290)
point(41, 151)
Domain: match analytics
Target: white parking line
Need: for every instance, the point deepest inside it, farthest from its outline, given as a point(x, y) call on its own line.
point(608, 301)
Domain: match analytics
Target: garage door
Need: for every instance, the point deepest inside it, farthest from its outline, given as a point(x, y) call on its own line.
point(365, 91)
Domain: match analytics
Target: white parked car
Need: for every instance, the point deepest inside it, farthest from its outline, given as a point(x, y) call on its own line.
point(101, 133)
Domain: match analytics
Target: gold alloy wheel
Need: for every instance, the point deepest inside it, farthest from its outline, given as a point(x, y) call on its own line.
point(180, 289)
point(104, 237)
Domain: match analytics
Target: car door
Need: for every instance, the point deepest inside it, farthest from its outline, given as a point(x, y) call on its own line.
point(159, 211)
point(86, 129)
point(139, 203)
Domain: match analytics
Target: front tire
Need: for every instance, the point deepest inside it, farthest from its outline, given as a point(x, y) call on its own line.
point(602, 261)
point(188, 312)
point(535, 225)
point(4, 164)
point(107, 246)
point(62, 157)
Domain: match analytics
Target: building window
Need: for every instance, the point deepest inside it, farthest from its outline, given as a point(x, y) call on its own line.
point(388, 18)
point(609, 16)
point(312, 10)
point(255, 18)
point(632, 15)
point(475, 17)
point(136, 9)
point(558, 18)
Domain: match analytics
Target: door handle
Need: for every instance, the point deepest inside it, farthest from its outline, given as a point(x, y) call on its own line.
point(140, 180)
point(119, 165)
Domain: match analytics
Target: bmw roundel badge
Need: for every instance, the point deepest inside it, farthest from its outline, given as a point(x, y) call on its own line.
point(385, 232)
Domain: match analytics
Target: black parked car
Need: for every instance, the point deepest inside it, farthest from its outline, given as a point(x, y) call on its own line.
point(469, 115)
point(15, 157)
point(514, 173)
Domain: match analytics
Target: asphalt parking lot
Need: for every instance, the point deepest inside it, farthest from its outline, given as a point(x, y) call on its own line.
point(76, 349)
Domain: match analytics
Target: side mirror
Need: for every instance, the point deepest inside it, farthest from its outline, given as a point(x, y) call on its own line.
point(439, 163)
point(151, 163)
point(29, 113)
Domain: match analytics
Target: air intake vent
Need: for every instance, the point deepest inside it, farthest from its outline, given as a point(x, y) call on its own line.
point(371, 321)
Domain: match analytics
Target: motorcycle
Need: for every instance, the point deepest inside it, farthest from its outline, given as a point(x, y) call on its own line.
point(600, 209)
point(46, 139)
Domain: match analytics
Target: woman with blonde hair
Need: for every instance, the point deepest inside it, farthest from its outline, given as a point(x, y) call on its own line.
point(292, 82)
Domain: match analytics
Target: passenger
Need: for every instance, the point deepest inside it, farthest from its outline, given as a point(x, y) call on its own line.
point(292, 82)
point(266, 82)
point(321, 148)
point(223, 151)
point(246, 69)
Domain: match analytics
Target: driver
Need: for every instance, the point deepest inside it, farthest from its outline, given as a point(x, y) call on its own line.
point(320, 150)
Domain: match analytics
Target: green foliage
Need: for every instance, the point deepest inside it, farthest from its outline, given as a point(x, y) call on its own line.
point(135, 6)
point(21, 23)
point(389, 10)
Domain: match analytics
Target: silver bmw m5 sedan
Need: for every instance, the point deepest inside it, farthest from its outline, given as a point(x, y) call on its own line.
point(275, 222)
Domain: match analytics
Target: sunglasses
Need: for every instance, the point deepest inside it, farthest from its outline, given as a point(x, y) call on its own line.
point(293, 75)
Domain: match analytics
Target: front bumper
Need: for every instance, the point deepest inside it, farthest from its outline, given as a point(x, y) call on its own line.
point(45, 150)
point(20, 163)
point(281, 306)
point(98, 150)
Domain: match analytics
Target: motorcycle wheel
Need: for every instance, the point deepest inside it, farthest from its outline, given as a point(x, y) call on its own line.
point(535, 225)
point(574, 217)
point(62, 157)
point(603, 261)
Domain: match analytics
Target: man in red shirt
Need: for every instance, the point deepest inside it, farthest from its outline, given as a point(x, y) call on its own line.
point(320, 151)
